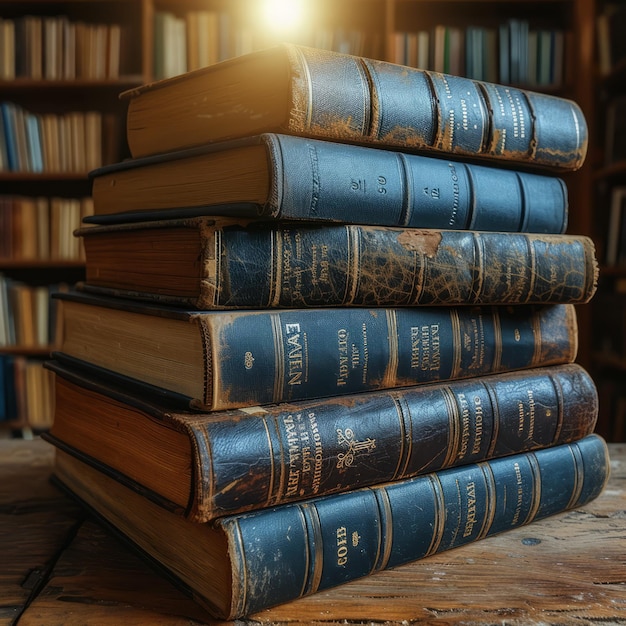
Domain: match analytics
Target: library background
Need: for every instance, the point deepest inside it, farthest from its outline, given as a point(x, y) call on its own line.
point(64, 64)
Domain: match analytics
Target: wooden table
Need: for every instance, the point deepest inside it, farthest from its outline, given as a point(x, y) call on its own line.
point(59, 567)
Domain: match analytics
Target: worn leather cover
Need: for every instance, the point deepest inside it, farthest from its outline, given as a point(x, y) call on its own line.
point(323, 180)
point(252, 458)
point(283, 553)
point(339, 97)
point(282, 265)
point(299, 549)
point(261, 357)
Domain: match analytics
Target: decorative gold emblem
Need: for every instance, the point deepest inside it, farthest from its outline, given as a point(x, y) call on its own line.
point(346, 438)
point(248, 360)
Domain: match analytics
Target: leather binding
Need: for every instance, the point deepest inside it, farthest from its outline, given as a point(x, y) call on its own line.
point(260, 357)
point(293, 89)
point(320, 543)
point(291, 451)
point(317, 180)
point(261, 264)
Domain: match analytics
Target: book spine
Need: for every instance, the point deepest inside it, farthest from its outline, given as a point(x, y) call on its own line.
point(321, 180)
point(389, 104)
point(293, 451)
point(308, 547)
point(353, 265)
point(291, 355)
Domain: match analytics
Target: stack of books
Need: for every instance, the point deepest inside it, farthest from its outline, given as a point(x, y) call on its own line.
point(327, 325)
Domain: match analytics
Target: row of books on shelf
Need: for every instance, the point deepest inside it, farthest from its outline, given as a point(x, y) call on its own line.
point(200, 38)
point(610, 29)
point(26, 393)
point(615, 130)
point(616, 231)
point(28, 314)
point(612, 398)
point(55, 48)
point(41, 228)
point(49, 142)
point(303, 395)
point(512, 53)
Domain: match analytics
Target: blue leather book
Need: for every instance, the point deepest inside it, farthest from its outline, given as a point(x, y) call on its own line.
point(241, 564)
point(206, 465)
point(218, 360)
point(317, 93)
point(213, 263)
point(288, 177)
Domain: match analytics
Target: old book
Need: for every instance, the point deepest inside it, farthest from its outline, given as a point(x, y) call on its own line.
point(282, 176)
point(294, 89)
point(228, 359)
point(241, 564)
point(205, 465)
point(217, 263)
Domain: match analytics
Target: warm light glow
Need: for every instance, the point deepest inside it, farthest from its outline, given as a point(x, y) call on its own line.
point(284, 14)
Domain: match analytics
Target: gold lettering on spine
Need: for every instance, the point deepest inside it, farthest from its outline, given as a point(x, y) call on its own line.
point(342, 546)
point(318, 453)
point(343, 354)
point(531, 413)
point(426, 348)
point(279, 256)
point(293, 451)
point(519, 494)
point(478, 424)
point(366, 354)
point(470, 519)
point(465, 425)
point(296, 339)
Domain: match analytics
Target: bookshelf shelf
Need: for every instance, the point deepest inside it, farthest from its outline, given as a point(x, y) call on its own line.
point(608, 309)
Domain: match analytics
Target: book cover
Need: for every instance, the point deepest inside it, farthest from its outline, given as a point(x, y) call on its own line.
point(293, 89)
point(241, 564)
point(211, 264)
point(228, 359)
point(289, 177)
point(205, 465)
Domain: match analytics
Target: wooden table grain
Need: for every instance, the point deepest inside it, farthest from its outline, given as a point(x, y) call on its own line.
point(59, 567)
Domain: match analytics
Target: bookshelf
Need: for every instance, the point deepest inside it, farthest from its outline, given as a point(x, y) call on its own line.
point(62, 66)
point(74, 57)
point(609, 179)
